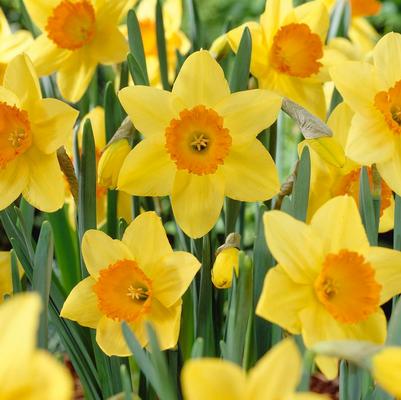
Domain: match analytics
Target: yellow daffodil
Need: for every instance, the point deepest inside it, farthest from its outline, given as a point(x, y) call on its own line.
point(287, 46)
point(386, 369)
point(11, 44)
point(136, 280)
point(25, 372)
point(329, 180)
point(275, 376)
point(31, 131)
point(76, 36)
point(374, 93)
point(329, 282)
point(200, 144)
point(6, 284)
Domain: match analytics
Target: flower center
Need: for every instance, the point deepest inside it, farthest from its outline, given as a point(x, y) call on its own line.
point(350, 183)
point(197, 140)
point(296, 51)
point(148, 31)
point(346, 298)
point(124, 292)
point(72, 24)
point(365, 8)
point(389, 104)
point(15, 133)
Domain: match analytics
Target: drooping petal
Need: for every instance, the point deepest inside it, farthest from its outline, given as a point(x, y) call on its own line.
point(52, 124)
point(282, 299)
point(81, 304)
point(213, 379)
point(147, 170)
point(174, 274)
point(369, 140)
point(20, 77)
point(201, 81)
point(147, 241)
point(248, 112)
point(339, 226)
point(44, 174)
point(150, 109)
point(100, 251)
point(75, 73)
point(390, 169)
point(197, 202)
point(13, 180)
point(250, 173)
point(109, 46)
point(386, 263)
point(295, 245)
point(276, 374)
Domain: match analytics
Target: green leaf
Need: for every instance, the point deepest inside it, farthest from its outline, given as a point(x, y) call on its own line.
point(161, 46)
point(194, 28)
point(126, 381)
point(240, 73)
point(394, 327)
point(15, 275)
point(197, 348)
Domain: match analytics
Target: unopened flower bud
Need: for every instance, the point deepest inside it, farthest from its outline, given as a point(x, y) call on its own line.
point(226, 262)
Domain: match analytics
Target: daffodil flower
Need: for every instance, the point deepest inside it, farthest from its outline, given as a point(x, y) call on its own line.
point(25, 372)
point(31, 131)
point(275, 376)
point(200, 144)
point(76, 37)
point(330, 179)
point(373, 91)
point(329, 282)
point(287, 48)
point(139, 279)
point(11, 44)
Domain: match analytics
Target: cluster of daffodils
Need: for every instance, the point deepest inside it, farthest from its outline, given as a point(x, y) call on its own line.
point(159, 247)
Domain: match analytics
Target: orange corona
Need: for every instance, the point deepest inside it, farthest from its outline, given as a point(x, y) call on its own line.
point(15, 133)
point(389, 104)
point(197, 141)
point(72, 25)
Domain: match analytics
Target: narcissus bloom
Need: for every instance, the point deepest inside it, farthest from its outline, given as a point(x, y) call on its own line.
point(329, 178)
point(76, 36)
point(386, 369)
point(136, 280)
point(200, 144)
point(25, 372)
point(275, 376)
point(287, 48)
point(11, 44)
point(329, 282)
point(31, 131)
point(374, 93)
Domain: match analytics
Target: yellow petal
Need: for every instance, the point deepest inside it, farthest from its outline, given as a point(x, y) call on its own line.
point(358, 84)
point(387, 219)
point(4, 28)
point(328, 148)
point(111, 12)
point(74, 75)
point(250, 173)
point(276, 374)
point(166, 323)
point(52, 124)
point(6, 286)
point(143, 104)
point(9, 97)
point(201, 81)
point(340, 121)
point(14, 45)
point(390, 169)
point(369, 140)
point(109, 46)
point(109, 337)
point(13, 180)
point(49, 379)
point(81, 304)
point(147, 241)
point(44, 173)
point(20, 77)
point(212, 379)
point(175, 273)
point(197, 202)
point(386, 263)
point(46, 56)
point(40, 11)
point(387, 58)
point(20, 315)
point(282, 299)
point(295, 246)
point(96, 117)
point(338, 224)
point(386, 369)
point(247, 113)
point(147, 170)
point(100, 251)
